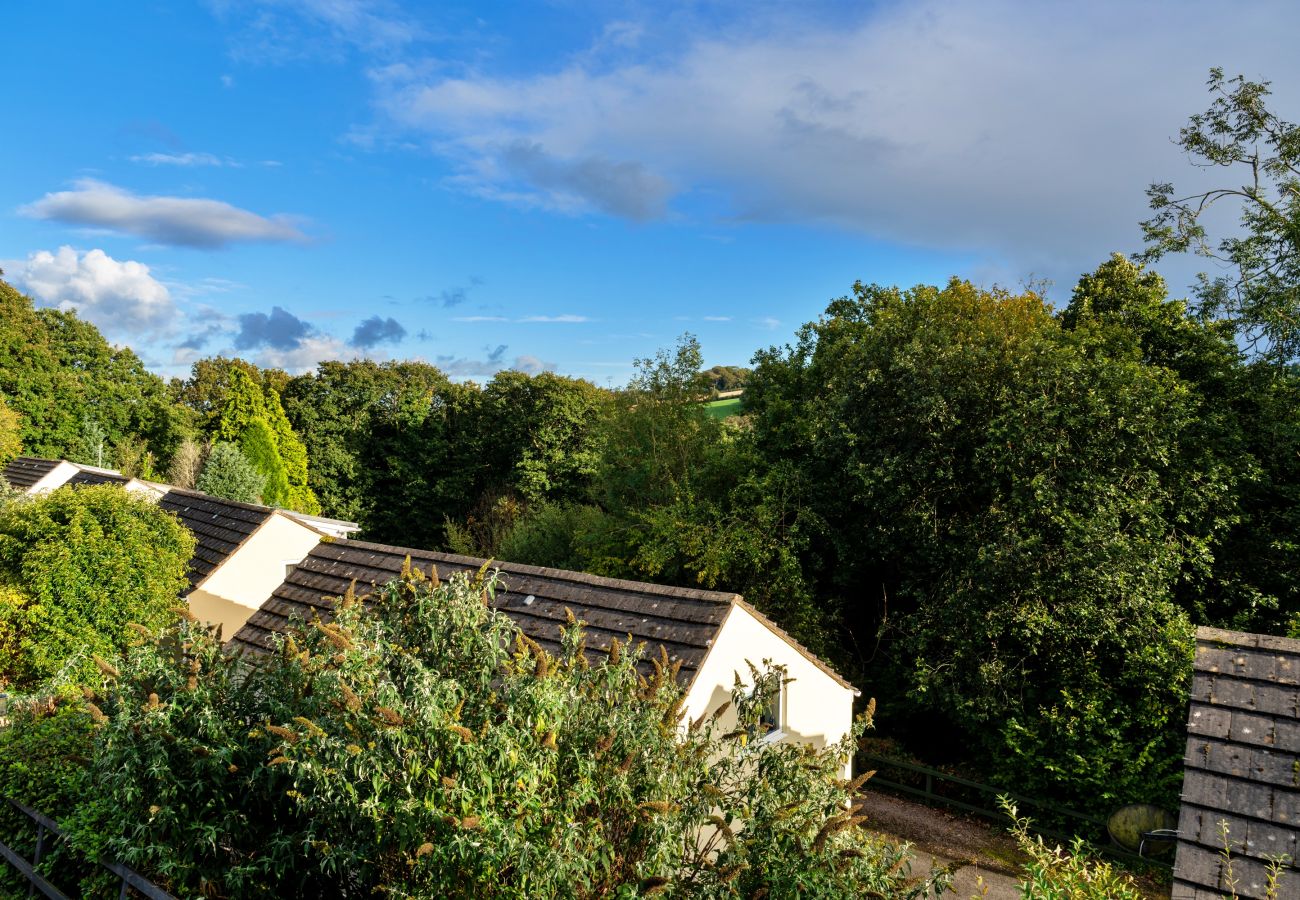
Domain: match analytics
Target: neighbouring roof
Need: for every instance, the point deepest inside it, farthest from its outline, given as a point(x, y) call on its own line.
point(336, 527)
point(94, 476)
point(220, 526)
point(1242, 765)
point(24, 471)
point(685, 621)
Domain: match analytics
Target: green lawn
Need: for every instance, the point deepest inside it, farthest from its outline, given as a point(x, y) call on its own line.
point(721, 409)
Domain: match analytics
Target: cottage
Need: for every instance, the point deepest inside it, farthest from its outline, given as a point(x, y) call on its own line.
point(37, 476)
point(32, 475)
point(1242, 767)
point(243, 553)
point(714, 635)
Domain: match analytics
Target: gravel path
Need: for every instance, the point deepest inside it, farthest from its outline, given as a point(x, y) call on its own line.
point(939, 837)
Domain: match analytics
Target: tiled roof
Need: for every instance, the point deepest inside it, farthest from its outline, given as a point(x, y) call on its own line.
point(25, 471)
point(1242, 765)
point(90, 476)
point(219, 525)
point(684, 621)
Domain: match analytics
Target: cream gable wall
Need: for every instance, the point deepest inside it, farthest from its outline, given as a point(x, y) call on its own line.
point(55, 478)
point(816, 709)
point(234, 590)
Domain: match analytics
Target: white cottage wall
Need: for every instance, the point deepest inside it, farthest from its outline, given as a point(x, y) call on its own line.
point(816, 709)
point(236, 588)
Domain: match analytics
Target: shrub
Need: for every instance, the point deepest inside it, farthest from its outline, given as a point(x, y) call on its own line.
point(75, 566)
point(428, 748)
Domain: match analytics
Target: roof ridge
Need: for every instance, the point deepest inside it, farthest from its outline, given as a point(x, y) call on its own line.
point(1248, 640)
point(645, 587)
point(238, 504)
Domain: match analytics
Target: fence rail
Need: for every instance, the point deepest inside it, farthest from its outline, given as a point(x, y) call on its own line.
point(47, 832)
point(1091, 828)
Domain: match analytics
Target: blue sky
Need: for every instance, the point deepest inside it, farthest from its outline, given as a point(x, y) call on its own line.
point(571, 185)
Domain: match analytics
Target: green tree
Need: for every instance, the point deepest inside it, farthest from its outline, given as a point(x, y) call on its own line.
point(228, 473)
point(253, 418)
point(57, 371)
point(204, 392)
point(11, 426)
point(999, 507)
point(337, 411)
point(727, 378)
point(76, 565)
point(92, 447)
point(1240, 135)
point(350, 762)
point(293, 455)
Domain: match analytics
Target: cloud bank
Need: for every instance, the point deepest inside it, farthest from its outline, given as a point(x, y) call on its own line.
point(1007, 129)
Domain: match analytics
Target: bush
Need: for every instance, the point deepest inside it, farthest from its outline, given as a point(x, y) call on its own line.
point(427, 748)
point(76, 565)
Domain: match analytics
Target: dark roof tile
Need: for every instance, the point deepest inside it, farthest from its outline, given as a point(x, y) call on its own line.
point(684, 621)
point(90, 477)
point(1243, 761)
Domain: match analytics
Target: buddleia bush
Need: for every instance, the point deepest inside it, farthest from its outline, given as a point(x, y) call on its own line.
point(419, 745)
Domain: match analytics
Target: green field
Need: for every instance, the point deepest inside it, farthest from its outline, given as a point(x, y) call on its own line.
point(722, 409)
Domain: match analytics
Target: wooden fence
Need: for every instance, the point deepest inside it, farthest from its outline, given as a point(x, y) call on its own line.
point(1050, 820)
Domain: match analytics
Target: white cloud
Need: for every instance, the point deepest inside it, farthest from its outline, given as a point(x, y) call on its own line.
point(184, 221)
point(568, 318)
point(565, 319)
point(119, 296)
point(312, 30)
point(1012, 129)
point(717, 318)
point(184, 159)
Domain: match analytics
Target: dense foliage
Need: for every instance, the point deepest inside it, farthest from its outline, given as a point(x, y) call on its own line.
point(76, 565)
point(60, 374)
point(350, 763)
point(11, 441)
point(251, 417)
point(1004, 516)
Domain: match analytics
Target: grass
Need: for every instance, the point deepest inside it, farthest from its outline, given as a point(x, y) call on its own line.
point(723, 409)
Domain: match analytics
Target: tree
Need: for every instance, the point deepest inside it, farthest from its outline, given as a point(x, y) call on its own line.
point(204, 392)
point(1239, 134)
point(350, 762)
point(228, 473)
point(92, 447)
point(57, 372)
point(337, 411)
point(187, 463)
point(11, 442)
point(253, 418)
point(76, 565)
point(1001, 522)
point(727, 378)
